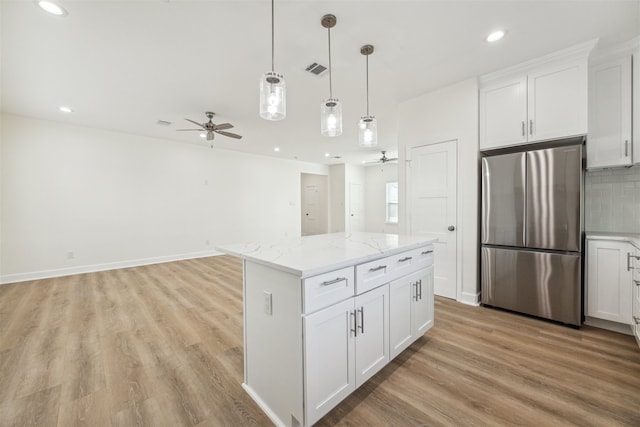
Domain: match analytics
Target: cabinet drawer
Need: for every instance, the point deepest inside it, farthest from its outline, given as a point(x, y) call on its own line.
point(423, 257)
point(325, 289)
point(374, 273)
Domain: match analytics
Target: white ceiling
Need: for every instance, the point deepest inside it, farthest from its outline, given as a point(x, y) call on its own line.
point(124, 65)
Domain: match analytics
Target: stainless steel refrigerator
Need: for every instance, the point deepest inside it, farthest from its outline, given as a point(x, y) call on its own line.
point(531, 250)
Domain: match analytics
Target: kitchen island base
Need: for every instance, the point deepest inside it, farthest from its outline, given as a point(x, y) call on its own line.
point(311, 339)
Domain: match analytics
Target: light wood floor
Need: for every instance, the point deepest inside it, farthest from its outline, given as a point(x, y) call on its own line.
point(161, 345)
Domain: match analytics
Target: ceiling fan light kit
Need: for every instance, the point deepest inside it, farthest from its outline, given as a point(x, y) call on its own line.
point(368, 125)
point(273, 96)
point(330, 108)
point(210, 129)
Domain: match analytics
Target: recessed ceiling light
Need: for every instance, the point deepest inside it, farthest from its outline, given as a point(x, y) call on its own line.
point(65, 109)
point(327, 154)
point(276, 149)
point(495, 36)
point(52, 7)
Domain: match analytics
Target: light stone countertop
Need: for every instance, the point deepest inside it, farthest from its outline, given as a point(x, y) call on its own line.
point(311, 255)
point(632, 238)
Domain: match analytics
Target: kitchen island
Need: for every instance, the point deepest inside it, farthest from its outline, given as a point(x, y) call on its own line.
point(324, 313)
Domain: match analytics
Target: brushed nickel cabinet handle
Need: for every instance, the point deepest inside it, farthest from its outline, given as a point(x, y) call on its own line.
point(427, 252)
point(420, 287)
point(415, 295)
point(331, 282)
point(361, 320)
point(380, 267)
point(523, 128)
point(355, 323)
point(628, 261)
point(626, 147)
point(409, 258)
point(530, 127)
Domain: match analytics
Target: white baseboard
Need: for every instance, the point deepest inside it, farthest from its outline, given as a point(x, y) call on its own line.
point(622, 328)
point(46, 274)
point(470, 298)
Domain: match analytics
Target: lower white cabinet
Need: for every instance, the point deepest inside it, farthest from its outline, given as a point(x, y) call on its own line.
point(635, 303)
point(411, 309)
point(345, 344)
point(310, 341)
point(609, 292)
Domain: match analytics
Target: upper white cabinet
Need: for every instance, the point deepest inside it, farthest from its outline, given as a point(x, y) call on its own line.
point(636, 102)
point(536, 101)
point(609, 143)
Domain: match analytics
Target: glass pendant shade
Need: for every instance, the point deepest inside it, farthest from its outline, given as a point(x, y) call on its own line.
point(331, 117)
point(368, 131)
point(273, 97)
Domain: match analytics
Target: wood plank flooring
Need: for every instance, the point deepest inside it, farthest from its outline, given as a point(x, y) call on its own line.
point(161, 345)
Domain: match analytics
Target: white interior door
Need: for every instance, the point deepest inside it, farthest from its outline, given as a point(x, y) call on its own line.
point(314, 212)
point(356, 204)
point(432, 201)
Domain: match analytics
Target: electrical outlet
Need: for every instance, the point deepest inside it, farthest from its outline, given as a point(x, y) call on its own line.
point(268, 300)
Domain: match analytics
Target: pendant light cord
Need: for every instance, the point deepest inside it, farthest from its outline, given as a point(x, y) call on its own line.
point(272, 39)
point(330, 83)
point(367, 56)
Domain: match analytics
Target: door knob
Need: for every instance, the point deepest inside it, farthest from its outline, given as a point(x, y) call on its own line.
point(451, 228)
point(307, 214)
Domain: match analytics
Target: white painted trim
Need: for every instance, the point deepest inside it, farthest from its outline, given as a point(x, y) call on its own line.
point(579, 51)
point(470, 298)
point(265, 408)
point(46, 274)
point(621, 328)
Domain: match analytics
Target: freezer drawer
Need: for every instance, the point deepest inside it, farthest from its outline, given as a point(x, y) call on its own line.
point(503, 199)
point(538, 283)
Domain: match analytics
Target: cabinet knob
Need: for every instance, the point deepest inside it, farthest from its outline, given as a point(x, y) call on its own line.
point(451, 228)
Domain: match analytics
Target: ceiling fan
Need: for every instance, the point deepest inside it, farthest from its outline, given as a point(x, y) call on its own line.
point(384, 159)
point(212, 128)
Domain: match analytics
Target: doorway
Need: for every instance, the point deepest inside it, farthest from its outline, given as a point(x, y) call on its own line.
point(314, 205)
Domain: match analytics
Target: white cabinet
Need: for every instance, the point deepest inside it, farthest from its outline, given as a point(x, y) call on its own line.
point(345, 345)
point(546, 103)
point(609, 143)
point(411, 309)
point(635, 304)
point(311, 340)
point(609, 292)
point(636, 103)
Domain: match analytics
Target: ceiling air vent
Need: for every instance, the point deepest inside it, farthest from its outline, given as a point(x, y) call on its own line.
point(316, 69)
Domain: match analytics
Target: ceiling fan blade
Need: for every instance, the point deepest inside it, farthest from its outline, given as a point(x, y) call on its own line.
point(199, 130)
point(224, 126)
point(210, 136)
point(195, 123)
point(393, 159)
point(229, 134)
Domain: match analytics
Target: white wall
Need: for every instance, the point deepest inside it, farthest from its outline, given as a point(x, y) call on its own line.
point(115, 199)
point(447, 114)
point(376, 178)
point(337, 198)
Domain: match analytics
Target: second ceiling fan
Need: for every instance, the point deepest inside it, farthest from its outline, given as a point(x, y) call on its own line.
point(211, 128)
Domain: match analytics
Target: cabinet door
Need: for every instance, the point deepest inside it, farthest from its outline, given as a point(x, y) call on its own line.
point(609, 142)
point(329, 356)
point(503, 114)
point(557, 101)
point(636, 105)
point(422, 312)
point(372, 335)
point(401, 294)
point(608, 281)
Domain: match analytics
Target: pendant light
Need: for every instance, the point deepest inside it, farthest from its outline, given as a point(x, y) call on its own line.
point(273, 97)
point(331, 108)
point(368, 125)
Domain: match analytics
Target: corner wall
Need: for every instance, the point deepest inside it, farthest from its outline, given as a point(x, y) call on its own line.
point(77, 199)
point(450, 113)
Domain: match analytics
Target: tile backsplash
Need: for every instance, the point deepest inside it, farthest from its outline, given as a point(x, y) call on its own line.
point(612, 200)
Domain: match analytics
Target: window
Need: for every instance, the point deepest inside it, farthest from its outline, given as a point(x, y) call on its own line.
point(392, 202)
